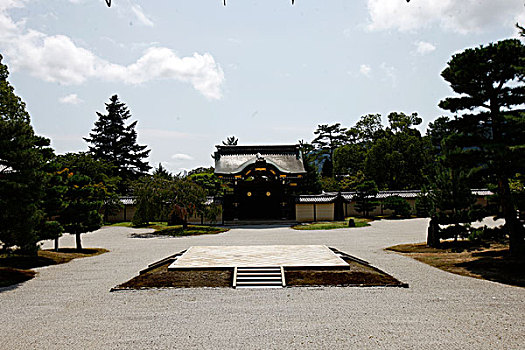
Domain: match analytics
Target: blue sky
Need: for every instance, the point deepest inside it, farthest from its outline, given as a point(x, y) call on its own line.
point(193, 72)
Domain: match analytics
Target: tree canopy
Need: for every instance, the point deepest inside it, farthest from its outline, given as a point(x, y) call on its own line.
point(328, 138)
point(86, 185)
point(22, 155)
point(173, 200)
point(365, 197)
point(396, 157)
point(490, 123)
point(114, 142)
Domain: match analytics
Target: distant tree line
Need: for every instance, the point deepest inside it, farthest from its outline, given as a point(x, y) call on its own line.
point(395, 157)
point(43, 195)
point(481, 145)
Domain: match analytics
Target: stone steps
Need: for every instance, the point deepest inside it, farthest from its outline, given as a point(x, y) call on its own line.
point(258, 277)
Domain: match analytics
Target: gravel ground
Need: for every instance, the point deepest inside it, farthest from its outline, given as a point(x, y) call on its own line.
point(70, 306)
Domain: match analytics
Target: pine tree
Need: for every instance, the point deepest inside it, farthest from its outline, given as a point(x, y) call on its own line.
point(114, 142)
point(22, 155)
point(162, 172)
point(365, 197)
point(490, 83)
point(328, 138)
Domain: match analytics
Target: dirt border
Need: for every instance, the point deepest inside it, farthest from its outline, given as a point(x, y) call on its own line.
point(490, 262)
point(358, 274)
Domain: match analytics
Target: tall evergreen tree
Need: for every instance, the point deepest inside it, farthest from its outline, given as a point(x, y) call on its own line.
point(311, 183)
point(112, 141)
point(491, 83)
point(328, 138)
point(365, 197)
point(162, 172)
point(22, 155)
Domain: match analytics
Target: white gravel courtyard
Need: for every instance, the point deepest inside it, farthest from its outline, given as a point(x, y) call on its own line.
point(69, 306)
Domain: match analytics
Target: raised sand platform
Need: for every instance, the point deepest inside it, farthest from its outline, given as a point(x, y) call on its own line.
point(309, 256)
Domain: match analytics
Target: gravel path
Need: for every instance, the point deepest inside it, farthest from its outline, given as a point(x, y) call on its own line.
point(69, 306)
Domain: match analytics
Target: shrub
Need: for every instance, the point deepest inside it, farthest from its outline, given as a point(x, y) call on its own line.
point(487, 234)
point(399, 205)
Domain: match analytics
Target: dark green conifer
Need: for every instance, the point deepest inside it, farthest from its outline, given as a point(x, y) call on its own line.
point(22, 155)
point(114, 142)
point(490, 83)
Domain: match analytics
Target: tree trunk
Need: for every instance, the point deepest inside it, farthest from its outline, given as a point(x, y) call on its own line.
point(516, 233)
point(184, 224)
point(513, 225)
point(433, 234)
point(332, 161)
point(56, 244)
point(79, 243)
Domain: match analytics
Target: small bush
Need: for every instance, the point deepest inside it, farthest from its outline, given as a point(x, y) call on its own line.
point(487, 234)
point(399, 205)
point(423, 206)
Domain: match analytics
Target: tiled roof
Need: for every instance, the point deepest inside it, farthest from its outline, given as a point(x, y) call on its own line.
point(127, 200)
point(234, 159)
point(482, 192)
point(320, 198)
point(130, 200)
point(329, 197)
point(403, 194)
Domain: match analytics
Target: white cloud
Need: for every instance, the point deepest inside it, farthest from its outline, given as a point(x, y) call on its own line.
point(365, 69)
point(141, 16)
point(462, 16)
point(72, 99)
point(201, 71)
point(56, 58)
point(423, 48)
point(181, 157)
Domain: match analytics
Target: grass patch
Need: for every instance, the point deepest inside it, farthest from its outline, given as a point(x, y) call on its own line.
point(330, 225)
point(192, 230)
point(490, 261)
point(152, 224)
point(121, 224)
point(162, 228)
point(16, 268)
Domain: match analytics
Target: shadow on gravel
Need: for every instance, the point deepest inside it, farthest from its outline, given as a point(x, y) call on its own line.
point(11, 278)
point(15, 268)
point(486, 261)
point(8, 288)
point(497, 266)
